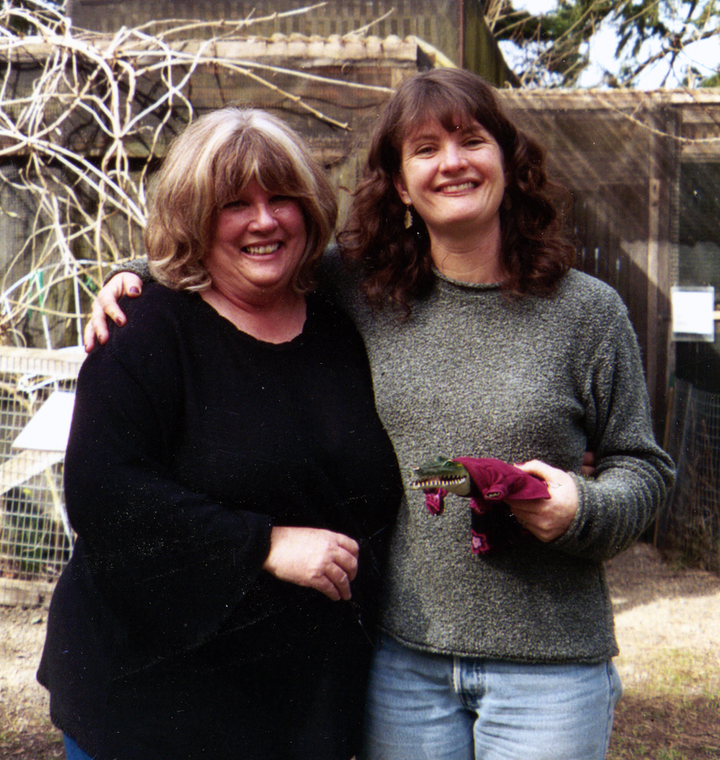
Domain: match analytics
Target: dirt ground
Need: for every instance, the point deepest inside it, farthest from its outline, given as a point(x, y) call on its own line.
point(668, 627)
point(662, 610)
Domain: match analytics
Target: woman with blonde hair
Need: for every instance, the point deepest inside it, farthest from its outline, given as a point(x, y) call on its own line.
point(228, 478)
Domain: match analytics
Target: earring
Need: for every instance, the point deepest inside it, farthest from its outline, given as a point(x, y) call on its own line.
point(408, 218)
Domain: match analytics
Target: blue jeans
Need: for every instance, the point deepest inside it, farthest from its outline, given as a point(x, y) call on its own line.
point(423, 706)
point(72, 751)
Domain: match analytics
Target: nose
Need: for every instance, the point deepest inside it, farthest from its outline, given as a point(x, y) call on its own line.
point(453, 157)
point(262, 217)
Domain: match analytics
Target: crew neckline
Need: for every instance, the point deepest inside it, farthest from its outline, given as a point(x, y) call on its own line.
point(482, 286)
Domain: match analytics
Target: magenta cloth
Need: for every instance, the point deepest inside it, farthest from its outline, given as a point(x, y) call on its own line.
point(493, 527)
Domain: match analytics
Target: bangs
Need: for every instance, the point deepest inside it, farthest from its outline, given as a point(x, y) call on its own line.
point(255, 157)
point(450, 98)
point(435, 104)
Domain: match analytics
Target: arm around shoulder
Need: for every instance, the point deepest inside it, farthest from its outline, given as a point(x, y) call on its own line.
point(125, 281)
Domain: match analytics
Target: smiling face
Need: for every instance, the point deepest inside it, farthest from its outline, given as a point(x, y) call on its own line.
point(454, 179)
point(258, 245)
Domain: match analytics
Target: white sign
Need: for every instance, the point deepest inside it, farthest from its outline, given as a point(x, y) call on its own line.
point(693, 313)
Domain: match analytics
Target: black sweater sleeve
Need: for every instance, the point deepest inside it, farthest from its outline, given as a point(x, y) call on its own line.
point(171, 562)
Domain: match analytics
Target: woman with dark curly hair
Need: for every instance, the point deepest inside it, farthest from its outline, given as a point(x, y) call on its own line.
point(534, 255)
point(484, 343)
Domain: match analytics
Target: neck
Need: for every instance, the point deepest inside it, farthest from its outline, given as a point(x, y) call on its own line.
point(276, 321)
point(473, 260)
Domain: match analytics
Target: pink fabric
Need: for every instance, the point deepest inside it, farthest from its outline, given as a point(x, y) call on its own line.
point(493, 526)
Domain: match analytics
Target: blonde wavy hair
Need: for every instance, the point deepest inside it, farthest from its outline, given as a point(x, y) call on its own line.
point(207, 165)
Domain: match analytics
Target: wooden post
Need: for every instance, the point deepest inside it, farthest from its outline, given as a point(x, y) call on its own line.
point(653, 260)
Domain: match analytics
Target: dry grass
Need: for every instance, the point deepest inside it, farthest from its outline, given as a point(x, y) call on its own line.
point(28, 739)
point(663, 727)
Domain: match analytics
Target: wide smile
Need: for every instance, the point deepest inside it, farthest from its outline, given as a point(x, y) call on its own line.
point(264, 249)
point(457, 187)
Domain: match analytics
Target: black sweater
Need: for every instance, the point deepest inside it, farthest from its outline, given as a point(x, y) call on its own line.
point(190, 440)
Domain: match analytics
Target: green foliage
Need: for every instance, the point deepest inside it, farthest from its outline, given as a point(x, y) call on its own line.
point(711, 81)
point(552, 48)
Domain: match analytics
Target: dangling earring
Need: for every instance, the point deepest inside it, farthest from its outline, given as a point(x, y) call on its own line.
point(408, 218)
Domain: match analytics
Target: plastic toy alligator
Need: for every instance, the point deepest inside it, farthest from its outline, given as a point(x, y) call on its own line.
point(487, 482)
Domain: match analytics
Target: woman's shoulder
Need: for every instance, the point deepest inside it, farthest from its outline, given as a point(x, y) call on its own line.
point(337, 279)
point(155, 320)
point(586, 294)
point(158, 303)
point(328, 315)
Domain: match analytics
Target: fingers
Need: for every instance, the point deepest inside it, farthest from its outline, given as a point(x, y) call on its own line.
point(588, 465)
point(106, 305)
point(340, 569)
point(548, 519)
point(89, 337)
point(319, 559)
point(96, 328)
point(335, 583)
point(333, 577)
point(122, 284)
point(540, 469)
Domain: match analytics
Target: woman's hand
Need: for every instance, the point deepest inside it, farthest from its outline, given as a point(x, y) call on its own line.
point(313, 557)
point(547, 519)
point(122, 284)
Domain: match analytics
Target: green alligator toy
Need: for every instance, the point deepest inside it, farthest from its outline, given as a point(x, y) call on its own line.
point(441, 472)
point(488, 483)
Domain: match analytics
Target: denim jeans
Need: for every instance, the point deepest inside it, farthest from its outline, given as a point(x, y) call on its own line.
point(423, 706)
point(72, 751)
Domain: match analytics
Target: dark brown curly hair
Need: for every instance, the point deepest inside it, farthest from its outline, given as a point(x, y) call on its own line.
point(396, 263)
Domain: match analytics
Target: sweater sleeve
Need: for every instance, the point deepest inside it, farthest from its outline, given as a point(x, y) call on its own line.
point(171, 563)
point(633, 474)
point(139, 266)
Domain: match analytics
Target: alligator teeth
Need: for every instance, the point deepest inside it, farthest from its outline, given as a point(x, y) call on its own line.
point(436, 482)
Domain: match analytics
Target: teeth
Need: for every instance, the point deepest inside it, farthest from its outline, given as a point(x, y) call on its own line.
point(455, 188)
point(261, 249)
point(436, 482)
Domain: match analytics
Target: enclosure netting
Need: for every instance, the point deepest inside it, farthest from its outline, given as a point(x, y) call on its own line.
point(690, 524)
point(35, 536)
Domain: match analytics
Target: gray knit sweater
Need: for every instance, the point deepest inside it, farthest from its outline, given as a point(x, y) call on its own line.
point(473, 373)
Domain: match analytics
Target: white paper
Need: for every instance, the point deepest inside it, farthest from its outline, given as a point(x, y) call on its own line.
point(49, 429)
point(692, 311)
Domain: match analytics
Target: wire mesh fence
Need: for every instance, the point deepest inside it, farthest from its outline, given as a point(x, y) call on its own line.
point(36, 396)
point(690, 524)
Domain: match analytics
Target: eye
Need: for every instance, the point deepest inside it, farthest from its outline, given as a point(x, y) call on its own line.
point(423, 149)
point(475, 141)
point(236, 204)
